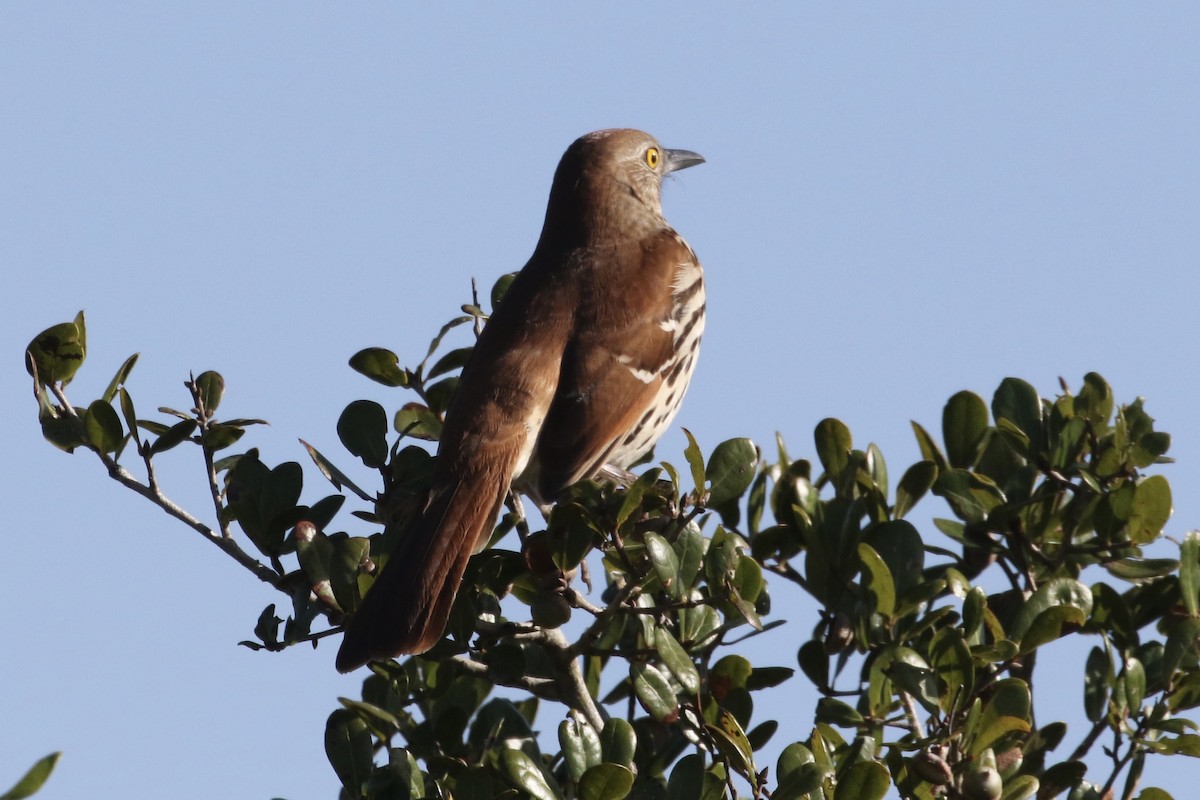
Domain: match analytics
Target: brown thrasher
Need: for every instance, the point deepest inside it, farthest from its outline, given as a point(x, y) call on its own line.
point(582, 366)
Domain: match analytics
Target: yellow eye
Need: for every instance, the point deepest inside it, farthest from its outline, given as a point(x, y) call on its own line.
point(652, 158)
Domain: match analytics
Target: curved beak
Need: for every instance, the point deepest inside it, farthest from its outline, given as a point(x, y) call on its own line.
point(681, 159)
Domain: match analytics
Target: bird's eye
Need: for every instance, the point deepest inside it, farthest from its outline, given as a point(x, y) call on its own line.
point(652, 158)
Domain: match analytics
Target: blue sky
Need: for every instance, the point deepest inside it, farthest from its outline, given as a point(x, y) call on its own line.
point(900, 201)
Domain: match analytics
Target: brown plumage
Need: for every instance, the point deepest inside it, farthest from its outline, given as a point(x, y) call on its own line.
point(583, 365)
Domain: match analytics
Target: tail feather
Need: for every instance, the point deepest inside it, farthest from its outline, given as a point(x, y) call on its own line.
point(406, 609)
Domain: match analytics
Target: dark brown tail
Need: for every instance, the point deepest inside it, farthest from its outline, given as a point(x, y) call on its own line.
point(405, 610)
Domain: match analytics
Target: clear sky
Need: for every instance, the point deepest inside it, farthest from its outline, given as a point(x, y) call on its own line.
point(900, 201)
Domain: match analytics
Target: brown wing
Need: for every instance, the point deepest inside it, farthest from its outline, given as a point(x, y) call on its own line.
point(615, 361)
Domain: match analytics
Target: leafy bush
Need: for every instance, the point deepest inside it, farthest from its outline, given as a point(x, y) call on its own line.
point(620, 620)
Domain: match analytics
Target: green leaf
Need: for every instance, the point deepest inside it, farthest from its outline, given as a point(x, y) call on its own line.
point(900, 547)
point(211, 388)
point(1137, 570)
point(1058, 592)
point(1134, 679)
point(1007, 710)
point(866, 780)
point(929, 448)
point(1021, 787)
point(814, 663)
point(605, 782)
point(677, 660)
point(618, 742)
point(836, 712)
point(1095, 400)
point(1097, 673)
point(362, 428)
point(501, 286)
point(417, 421)
point(349, 748)
point(833, 443)
point(1017, 402)
point(333, 474)
point(102, 427)
point(522, 770)
point(455, 359)
point(730, 470)
point(1150, 510)
point(951, 661)
point(1189, 572)
point(1154, 793)
point(964, 422)
point(695, 460)
point(580, 746)
point(1188, 744)
point(654, 692)
point(119, 379)
point(916, 481)
point(380, 365)
point(880, 580)
point(58, 352)
point(688, 778)
point(174, 435)
point(665, 562)
point(33, 779)
point(733, 743)
point(690, 547)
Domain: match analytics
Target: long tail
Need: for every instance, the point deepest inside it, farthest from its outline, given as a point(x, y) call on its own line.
point(405, 610)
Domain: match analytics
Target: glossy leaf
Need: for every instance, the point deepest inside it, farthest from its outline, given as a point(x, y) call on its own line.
point(916, 481)
point(833, 443)
point(664, 562)
point(102, 427)
point(866, 780)
point(523, 772)
point(880, 580)
point(580, 746)
point(1007, 710)
point(618, 742)
point(362, 428)
point(1055, 592)
point(964, 422)
point(1189, 573)
point(731, 740)
point(951, 661)
point(1021, 787)
point(1017, 402)
point(349, 748)
point(417, 421)
point(654, 692)
point(58, 352)
point(1097, 674)
point(730, 470)
point(33, 779)
point(1150, 510)
point(690, 547)
point(677, 660)
point(173, 436)
point(929, 449)
point(119, 378)
point(210, 386)
point(695, 460)
point(1095, 400)
point(333, 474)
point(380, 365)
point(605, 782)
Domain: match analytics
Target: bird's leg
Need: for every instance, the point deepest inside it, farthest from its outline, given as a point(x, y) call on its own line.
point(517, 508)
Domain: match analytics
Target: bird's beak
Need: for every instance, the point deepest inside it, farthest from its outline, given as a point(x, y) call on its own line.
point(682, 159)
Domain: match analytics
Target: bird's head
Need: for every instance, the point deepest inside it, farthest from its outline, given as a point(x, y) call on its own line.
point(605, 176)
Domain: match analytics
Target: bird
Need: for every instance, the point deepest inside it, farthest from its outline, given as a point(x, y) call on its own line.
point(581, 367)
